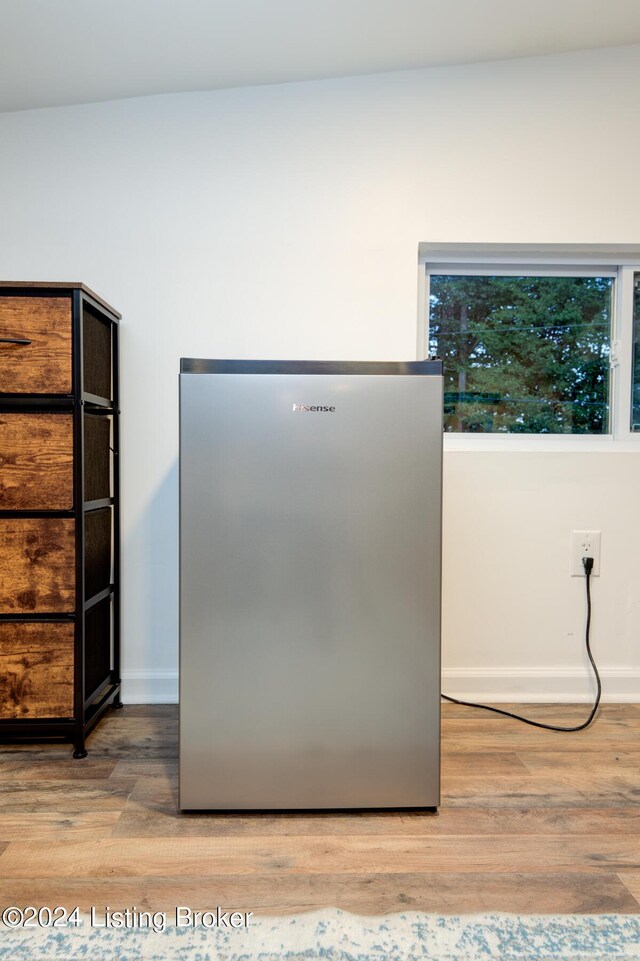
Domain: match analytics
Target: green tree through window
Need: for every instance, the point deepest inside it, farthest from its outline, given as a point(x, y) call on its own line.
point(523, 354)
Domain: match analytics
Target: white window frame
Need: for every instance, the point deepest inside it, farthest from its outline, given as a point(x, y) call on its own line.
point(606, 260)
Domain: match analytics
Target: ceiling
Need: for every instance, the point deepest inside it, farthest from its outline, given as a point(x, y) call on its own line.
point(76, 51)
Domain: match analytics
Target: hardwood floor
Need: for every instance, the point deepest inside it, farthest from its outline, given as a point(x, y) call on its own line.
point(531, 821)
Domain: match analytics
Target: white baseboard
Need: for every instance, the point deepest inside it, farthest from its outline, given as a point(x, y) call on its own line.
point(482, 684)
point(149, 687)
point(540, 685)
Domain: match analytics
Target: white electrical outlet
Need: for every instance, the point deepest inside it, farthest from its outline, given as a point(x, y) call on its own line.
point(585, 544)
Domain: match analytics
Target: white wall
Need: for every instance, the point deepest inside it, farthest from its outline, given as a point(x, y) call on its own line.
point(284, 221)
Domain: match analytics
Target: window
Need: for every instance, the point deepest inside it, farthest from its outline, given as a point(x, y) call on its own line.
point(535, 341)
point(523, 354)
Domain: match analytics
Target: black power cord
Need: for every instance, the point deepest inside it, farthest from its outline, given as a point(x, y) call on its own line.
point(587, 563)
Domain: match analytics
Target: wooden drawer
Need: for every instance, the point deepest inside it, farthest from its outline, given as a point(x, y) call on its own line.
point(36, 462)
point(37, 565)
point(44, 365)
point(36, 669)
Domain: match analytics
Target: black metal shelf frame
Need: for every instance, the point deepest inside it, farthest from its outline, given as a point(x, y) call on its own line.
point(97, 598)
point(87, 709)
point(96, 505)
point(94, 400)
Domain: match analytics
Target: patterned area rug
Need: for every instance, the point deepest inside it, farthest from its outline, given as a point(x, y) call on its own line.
point(339, 936)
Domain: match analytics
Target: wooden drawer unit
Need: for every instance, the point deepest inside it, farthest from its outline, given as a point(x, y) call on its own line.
point(35, 345)
point(36, 461)
point(59, 512)
point(37, 575)
point(36, 669)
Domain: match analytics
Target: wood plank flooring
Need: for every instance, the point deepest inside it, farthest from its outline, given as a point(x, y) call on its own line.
point(531, 821)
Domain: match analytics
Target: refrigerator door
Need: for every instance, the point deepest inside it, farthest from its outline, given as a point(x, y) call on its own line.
point(310, 549)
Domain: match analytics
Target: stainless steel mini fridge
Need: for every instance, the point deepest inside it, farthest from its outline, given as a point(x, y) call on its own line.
point(310, 542)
